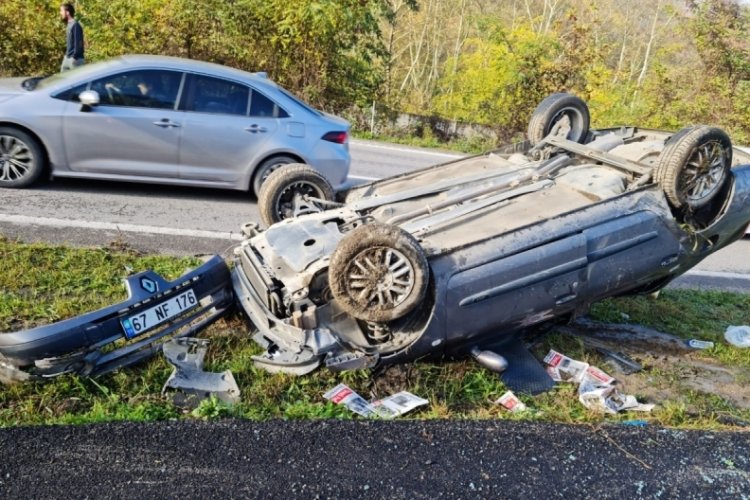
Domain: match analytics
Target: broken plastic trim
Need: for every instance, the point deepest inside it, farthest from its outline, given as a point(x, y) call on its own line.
point(96, 343)
point(186, 355)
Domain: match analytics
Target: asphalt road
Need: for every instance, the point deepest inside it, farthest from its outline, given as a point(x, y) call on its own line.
point(166, 219)
point(334, 459)
point(194, 221)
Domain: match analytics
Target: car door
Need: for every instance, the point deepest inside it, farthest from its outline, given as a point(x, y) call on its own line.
point(134, 131)
point(227, 126)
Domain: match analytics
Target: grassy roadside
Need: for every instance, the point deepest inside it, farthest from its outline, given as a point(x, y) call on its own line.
point(40, 284)
point(473, 145)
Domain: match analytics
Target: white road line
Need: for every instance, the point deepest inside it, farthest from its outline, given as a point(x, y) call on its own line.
point(717, 274)
point(112, 226)
point(406, 149)
point(197, 233)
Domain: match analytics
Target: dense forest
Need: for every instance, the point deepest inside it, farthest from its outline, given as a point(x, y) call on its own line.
point(658, 63)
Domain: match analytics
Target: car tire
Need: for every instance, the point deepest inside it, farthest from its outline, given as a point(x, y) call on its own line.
point(266, 168)
point(280, 191)
point(694, 166)
point(365, 267)
point(22, 158)
point(552, 109)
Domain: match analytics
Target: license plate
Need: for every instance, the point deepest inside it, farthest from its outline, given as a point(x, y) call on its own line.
point(145, 320)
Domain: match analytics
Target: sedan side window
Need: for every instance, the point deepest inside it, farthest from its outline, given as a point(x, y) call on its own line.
point(263, 107)
point(72, 93)
point(214, 95)
point(139, 88)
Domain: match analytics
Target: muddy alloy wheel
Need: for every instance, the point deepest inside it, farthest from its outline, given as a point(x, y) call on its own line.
point(289, 192)
point(555, 108)
point(694, 166)
point(21, 158)
point(378, 273)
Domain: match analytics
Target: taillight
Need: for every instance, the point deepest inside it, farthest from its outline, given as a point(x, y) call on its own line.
point(337, 137)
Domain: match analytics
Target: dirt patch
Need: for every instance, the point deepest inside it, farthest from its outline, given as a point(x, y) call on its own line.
point(672, 378)
point(671, 370)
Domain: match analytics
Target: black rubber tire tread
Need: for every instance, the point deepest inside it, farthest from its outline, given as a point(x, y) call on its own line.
point(367, 237)
point(541, 119)
point(272, 189)
point(39, 159)
point(678, 150)
point(260, 172)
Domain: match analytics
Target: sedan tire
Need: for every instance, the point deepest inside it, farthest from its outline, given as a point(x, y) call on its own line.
point(22, 158)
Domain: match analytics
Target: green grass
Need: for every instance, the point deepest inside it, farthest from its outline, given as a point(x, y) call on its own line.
point(43, 283)
point(472, 145)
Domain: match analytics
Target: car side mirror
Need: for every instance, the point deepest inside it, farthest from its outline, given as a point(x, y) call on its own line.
point(89, 99)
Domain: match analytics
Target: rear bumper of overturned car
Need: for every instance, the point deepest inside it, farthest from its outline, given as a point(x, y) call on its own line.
point(96, 343)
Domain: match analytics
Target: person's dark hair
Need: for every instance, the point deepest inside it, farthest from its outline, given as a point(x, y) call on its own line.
point(69, 9)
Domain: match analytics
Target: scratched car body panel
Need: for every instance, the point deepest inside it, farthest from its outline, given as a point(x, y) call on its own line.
point(503, 241)
point(99, 342)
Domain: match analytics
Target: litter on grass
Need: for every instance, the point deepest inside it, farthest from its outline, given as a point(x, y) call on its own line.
point(738, 336)
point(596, 389)
point(387, 408)
point(511, 402)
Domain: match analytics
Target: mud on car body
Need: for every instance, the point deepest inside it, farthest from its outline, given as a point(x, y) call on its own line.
point(457, 258)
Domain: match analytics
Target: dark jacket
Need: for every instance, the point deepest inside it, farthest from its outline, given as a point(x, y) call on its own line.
point(74, 40)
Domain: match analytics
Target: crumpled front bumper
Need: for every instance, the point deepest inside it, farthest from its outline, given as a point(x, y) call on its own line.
point(96, 343)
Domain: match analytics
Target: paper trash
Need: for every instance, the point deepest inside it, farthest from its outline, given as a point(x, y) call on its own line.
point(398, 404)
point(596, 389)
point(511, 402)
point(390, 407)
point(564, 369)
point(342, 394)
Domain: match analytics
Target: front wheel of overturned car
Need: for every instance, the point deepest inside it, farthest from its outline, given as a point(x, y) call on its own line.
point(22, 158)
point(292, 190)
point(694, 166)
point(378, 273)
point(566, 110)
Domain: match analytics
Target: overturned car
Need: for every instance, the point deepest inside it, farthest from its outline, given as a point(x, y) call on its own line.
point(451, 260)
point(457, 258)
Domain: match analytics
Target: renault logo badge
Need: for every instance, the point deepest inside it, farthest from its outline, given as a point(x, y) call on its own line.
point(149, 285)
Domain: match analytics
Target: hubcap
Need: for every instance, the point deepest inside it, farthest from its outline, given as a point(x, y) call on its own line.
point(15, 158)
point(704, 172)
point(569, 121)
point(380, 277)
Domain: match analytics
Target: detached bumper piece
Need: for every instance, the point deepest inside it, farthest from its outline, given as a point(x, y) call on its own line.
point(188, 378)
point(102, 341)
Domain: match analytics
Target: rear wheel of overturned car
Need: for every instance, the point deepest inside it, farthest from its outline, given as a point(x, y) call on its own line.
point(378, 273)
point(562, 109)
point(292, 190)
point(22, 158)
point(694, 166)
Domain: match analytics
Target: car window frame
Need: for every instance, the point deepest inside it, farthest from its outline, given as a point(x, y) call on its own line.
point(182, 104)
point(174, 107)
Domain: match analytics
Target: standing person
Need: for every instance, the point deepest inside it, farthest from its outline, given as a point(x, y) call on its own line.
point(74, 38)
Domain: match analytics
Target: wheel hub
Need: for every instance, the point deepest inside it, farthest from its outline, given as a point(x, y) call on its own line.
point(381, 277)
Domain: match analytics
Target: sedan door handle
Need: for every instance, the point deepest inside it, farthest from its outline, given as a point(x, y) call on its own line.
point(255, 128)
point(166, 123)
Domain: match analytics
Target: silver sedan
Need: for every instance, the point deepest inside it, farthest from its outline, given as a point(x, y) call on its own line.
point(163, 120)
